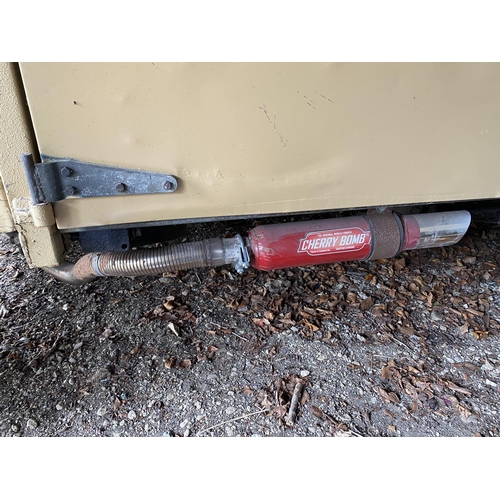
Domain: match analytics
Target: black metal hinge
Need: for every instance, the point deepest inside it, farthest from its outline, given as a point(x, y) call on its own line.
point(57, 179)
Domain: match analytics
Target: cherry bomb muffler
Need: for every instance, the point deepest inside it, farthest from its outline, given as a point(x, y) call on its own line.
point(365, 237)
point(275, 246)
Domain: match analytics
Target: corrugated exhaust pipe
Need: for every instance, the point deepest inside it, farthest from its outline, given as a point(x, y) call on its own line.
point(213, 252)
point(275, 246)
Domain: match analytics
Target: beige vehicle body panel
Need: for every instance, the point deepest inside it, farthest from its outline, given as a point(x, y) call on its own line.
point(266, 138)
point(40, 240)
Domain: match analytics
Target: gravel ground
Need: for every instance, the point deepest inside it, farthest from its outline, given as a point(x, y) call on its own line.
point(401, 347)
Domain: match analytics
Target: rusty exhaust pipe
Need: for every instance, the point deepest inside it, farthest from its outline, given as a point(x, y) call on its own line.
point(212, 252)
point(367, 237)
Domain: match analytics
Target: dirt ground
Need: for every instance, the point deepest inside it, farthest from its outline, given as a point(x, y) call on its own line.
point(401, 347)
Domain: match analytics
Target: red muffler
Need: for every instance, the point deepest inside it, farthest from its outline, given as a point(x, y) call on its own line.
point(366, 237)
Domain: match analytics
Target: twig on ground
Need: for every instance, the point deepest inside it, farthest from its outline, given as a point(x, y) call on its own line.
point(46, 354)
point(292, 412)
point(240, 337)
point(356, 433)
point(231, 420)
point(403, 344)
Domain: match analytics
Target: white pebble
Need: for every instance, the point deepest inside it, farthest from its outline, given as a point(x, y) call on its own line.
point(230, 410)
point(304, 373)
point(32, 424)
point(132, 415)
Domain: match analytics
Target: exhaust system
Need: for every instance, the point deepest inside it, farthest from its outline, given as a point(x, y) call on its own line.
point(276, 246)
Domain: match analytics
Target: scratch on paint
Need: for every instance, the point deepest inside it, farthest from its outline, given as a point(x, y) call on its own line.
point(310, 102)
point(263, 107)
point(324, 97)
point(283, 141)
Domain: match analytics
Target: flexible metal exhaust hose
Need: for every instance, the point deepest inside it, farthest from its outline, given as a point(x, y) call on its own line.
point(145, 262)
point(206, 253)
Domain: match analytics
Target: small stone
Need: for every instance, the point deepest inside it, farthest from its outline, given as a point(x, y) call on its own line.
point(102, 411)
point(487, 366)
point(32, 424)
point(187, 432)
point(468, 418)
point(77, 346)
point(436, 316)
point(230, 410)
point(59, 406)
point(229, 431)
point(132, 415)
point(184, 424)
point(14, 428)
point(170, 397)
point(490, 383)
point(304, 373)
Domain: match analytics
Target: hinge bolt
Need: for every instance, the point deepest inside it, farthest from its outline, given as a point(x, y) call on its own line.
point(167, 186)
point(69, 191)
point(66, 172)
point(120, 187)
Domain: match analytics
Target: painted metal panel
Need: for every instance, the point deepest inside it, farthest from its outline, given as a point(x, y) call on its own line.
point(257, 138)
point(41, 242)
point(6, 222)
